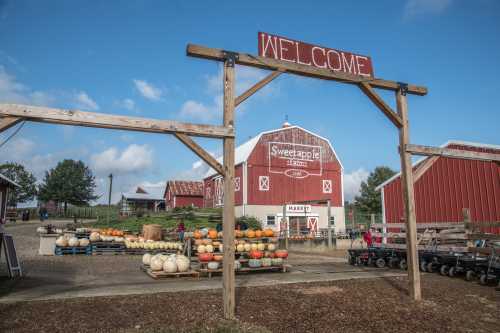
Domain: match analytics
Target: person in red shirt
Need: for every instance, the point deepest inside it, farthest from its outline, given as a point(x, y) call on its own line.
point(367, 237)
point(180, 229)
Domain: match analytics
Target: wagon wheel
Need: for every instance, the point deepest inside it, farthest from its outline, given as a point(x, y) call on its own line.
point(483, 279)
point(403, 265)
point(444, 270)
point(470, 275)
point(380, 263)
point(430, 268)
point(452, 272)
point(423, 266)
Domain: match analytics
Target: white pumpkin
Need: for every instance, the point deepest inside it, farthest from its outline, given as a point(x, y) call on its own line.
point(83, 242)
point(73, 241)
point(204, 232)
point(247, 247)
point(170, 266)
point(261, 246)
point(209, 248)
point(253, 246)
point(94, 237)
point(182, 263)
point(156, 264)
point(61, 241)
point(266, 262)
point(180, 247)
point(146, 259)
point(213, 265)
point(271, 247)
point(201, 249)
point(240, 248)
point(221, 247)
point(41, 230)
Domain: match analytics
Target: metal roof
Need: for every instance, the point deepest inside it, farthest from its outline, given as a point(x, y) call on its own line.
point(185, 187)
point(8, 180)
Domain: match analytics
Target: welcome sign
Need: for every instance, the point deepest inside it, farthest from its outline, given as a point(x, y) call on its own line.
point(295, 160)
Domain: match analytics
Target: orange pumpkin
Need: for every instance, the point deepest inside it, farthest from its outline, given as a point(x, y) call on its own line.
point(281, 254)
point(238, 234)
point(197, 234)
point(268, 233)
point(212, 233)
point(258, 233)
point(205, 256)
point(218, 257)
point(250, 233)
point(256, 254)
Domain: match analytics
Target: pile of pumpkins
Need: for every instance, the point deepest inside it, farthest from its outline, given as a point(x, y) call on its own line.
point(266, 259)
point(96, 236)
point(172, 263)
point(65, 241)
point(250, 233)
point(153, 245)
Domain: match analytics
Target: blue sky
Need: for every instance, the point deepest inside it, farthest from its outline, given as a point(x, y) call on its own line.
point(128, 57)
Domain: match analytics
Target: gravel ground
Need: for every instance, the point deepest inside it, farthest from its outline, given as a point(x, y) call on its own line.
point(373, 305)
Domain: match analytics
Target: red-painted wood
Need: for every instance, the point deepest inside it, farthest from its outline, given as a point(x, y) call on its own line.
point(447, 187)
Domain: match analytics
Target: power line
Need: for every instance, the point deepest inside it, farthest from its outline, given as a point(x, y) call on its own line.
point(13, 134)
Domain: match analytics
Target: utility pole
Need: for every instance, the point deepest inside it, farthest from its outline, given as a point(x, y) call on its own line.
point(109, 195)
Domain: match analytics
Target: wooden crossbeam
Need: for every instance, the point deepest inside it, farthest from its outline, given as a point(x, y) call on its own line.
point(379, 102)
point(294, 68)
point(102, 120)
point(452, 153)
point(256, 87)
point(431, 225)
point(202, 153)
point(8, 122)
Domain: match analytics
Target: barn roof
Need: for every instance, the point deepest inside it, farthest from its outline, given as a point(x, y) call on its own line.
point(243, 151)
point(145, 193)
point(5, 180)
point(446, 144)
point(185, 187)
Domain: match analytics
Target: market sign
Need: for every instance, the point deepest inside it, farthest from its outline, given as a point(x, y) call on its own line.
point(295, 160)
point(294, 209)
point(285, 49)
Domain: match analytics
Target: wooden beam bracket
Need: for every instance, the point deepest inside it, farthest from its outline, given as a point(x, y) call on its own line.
point(381, 104)
point(256, 87)
point(8, 122)
point(451, 153)
point(202, 153)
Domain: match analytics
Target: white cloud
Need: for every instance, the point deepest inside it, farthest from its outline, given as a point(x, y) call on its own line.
point(84, 101)
point(196, 110)
point(352, 183)
point(18, 147)
point(135, 158)
point(148, 90)
point(128, 104)
point(421, 7)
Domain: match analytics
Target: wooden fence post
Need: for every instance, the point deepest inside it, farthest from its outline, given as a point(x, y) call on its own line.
point(228, 279)
point(408, 198)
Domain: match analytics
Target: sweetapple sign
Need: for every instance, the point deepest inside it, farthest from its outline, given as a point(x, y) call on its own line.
point(295, 160)
point(281, 48)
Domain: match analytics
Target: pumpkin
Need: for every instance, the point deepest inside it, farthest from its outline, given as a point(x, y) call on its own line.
point(216, 244)
point(182, 263)
point(220, 235)
point(240, 248)
point(261, 246)
point(237, 265)
point(254, 246)
point(205, 256)
point(212, 233)
point(198, 242)
point(83, 242)
point(197, 234)
point(204, 232)
point(277, 261)
point(73, 241)
point(170, 266)
point(250, 233)
point(254, 263)
point(213, 265)
point(266, 262)
point(258, 233)
point(238, 234)
point(94, 237)
point(209, 248)
point(146, 258)
point(218, 257)
point(256, 254)
point(207, 241)
point(247, 247)
point(156, 263)
point(62, 241)
point(241, 242)
point(283, 254)
point(268, 232)
point(201, 249)
point(271, 247)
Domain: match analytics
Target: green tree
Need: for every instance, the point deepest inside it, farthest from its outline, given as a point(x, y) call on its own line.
point(24, 178)
point(69, 182)
point(369, 200)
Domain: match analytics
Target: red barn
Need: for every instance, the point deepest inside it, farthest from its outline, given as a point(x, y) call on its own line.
point(288, 165)
point(180, 193)
point(444, 186)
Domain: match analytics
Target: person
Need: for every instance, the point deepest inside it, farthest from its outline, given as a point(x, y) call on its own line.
point(367, 237)
point(43, 214)
point(218, 227)
point(180, 230)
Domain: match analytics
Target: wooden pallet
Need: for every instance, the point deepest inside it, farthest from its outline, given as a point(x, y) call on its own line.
point(73, 250)
point(283, 268)
point(164, 275)
point(107, 248)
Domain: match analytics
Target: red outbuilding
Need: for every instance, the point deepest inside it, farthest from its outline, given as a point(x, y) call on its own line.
point(286, 166)
point(444, 186)
point(182, 193)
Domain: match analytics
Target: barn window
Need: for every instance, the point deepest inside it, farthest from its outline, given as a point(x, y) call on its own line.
point(271, 220)
point(263, 183)
point(327, 186)
point(236, 184)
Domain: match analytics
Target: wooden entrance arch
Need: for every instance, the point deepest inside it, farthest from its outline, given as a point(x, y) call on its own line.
point(11, 114)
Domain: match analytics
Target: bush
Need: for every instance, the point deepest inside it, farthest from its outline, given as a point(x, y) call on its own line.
point(251, 221)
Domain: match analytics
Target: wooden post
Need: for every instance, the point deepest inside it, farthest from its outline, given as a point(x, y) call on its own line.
point(228, 280)
point(287, 226)
point(329, 214)
point(408, 198)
